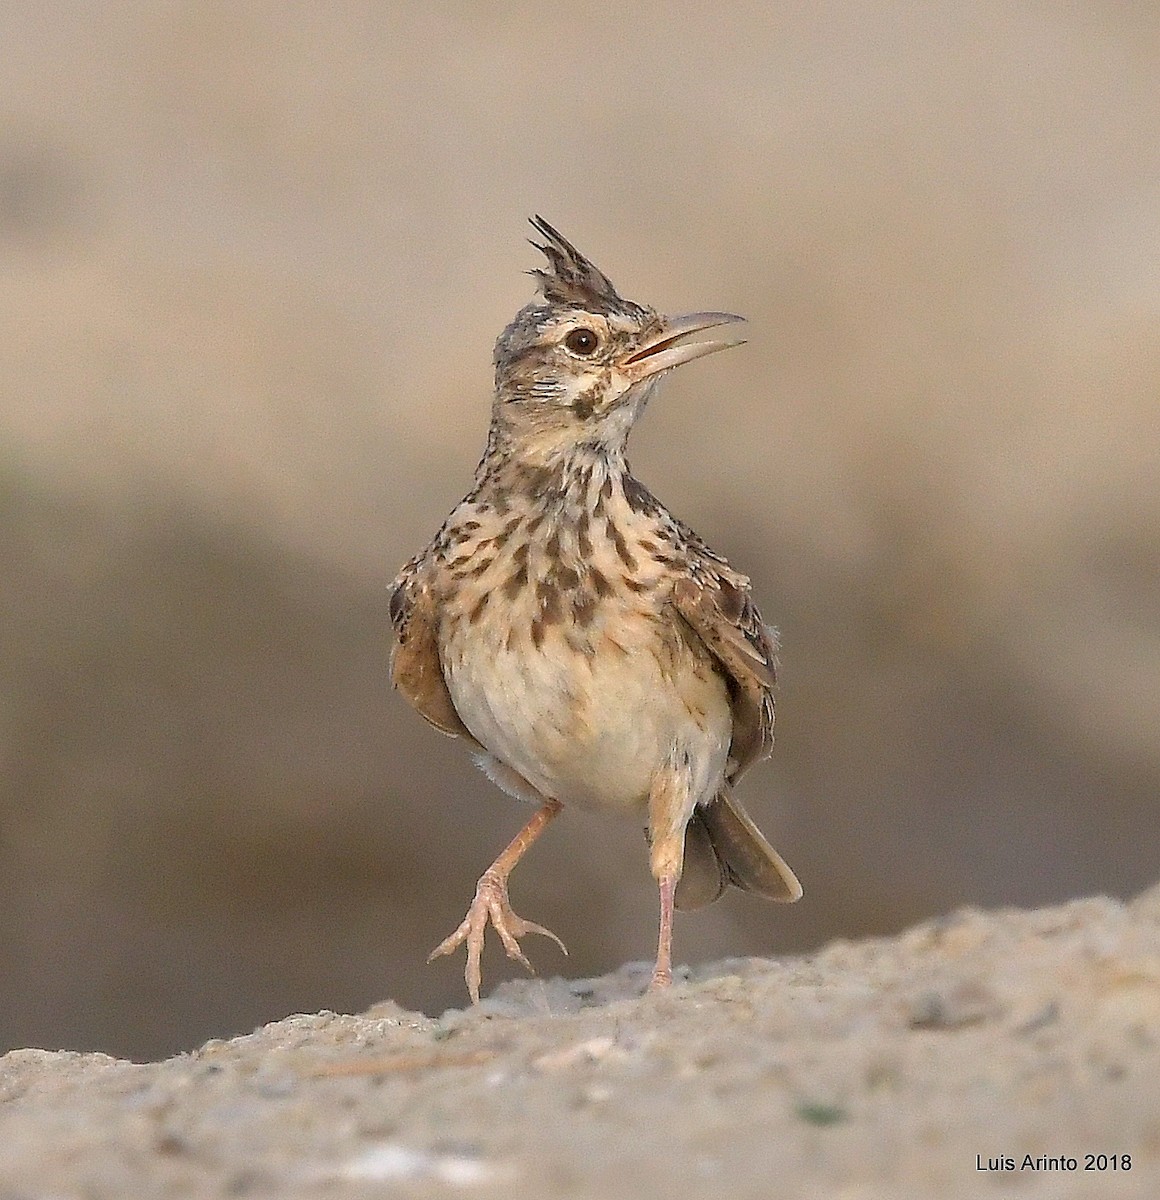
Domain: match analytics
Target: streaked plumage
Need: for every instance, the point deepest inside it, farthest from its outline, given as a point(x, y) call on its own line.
point(586, 644)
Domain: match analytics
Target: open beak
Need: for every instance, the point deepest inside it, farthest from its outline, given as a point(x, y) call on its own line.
point(670, 347)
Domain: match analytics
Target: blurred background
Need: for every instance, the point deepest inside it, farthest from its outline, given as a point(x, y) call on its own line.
point(253, 259)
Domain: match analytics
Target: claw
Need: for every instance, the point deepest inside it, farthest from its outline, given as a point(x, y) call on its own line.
point(491, 903)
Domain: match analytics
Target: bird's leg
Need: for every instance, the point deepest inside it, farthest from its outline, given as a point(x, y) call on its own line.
point(662, 976)
point(669, 809)
point(491, 903)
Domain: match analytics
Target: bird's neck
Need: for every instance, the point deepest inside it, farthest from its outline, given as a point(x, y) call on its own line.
point(575, 474)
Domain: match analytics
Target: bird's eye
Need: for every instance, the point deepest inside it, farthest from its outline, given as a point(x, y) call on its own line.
point(582, 341)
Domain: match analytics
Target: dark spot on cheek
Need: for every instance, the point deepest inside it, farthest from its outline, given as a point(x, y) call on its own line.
point(587, 402)
point(584, 406)
point(600, 583)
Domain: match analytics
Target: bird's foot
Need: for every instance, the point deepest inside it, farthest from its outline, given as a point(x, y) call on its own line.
point(490, 904)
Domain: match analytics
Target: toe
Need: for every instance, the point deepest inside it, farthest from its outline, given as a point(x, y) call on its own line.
point(472, 973)
point(503, 922)
point(491, 904)
point(449, 943)
point(532, 927)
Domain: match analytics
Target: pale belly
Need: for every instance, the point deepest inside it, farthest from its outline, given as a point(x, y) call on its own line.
point(592, 729)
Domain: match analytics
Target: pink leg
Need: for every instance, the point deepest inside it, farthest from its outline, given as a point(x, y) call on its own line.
point(491, 904)
point(662, 976)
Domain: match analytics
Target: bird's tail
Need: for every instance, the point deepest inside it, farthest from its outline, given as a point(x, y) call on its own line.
point(723, 846)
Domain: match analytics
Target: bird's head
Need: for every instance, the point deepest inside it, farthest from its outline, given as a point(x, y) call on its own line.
point(577, 366)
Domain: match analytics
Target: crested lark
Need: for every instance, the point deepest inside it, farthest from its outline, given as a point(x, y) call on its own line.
point(587, 646)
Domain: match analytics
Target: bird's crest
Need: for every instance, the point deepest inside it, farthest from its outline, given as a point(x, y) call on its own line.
point(570, 278)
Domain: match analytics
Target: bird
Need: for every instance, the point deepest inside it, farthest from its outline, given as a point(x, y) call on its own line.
point(585, 644)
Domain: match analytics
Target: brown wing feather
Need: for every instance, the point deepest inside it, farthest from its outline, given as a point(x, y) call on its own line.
point(720, 611)
point(415, 666)
point(718, 608)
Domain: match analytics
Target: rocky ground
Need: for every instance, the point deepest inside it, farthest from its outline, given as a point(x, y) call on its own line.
point(984, 1053)
point(252, 267)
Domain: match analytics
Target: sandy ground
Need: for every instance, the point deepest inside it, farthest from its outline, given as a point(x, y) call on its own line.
point(253, 261)
point(886, 1068)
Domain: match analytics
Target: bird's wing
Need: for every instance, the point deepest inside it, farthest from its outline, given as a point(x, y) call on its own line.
point(717, 606)
point(415, 666)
